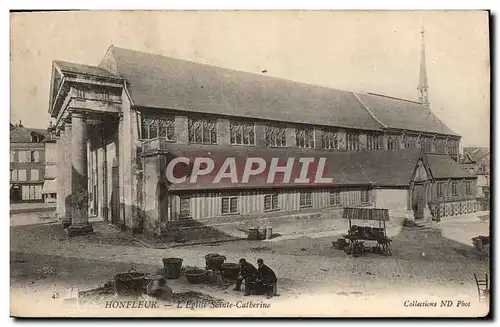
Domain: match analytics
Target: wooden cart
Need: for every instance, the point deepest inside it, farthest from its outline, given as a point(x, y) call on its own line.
point(358, 234)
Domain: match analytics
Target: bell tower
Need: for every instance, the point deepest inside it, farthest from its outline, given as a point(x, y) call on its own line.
point(423, 87)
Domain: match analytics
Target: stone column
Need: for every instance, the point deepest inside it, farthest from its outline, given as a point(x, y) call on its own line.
point(61, 209)
point(79, 183)
point(64, 174)
point(101, 178)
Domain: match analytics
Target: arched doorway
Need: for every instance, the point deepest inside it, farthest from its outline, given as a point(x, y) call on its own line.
point(419, 191)
point(419, 200)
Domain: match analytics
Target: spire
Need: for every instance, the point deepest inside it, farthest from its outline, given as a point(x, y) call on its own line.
point(422, 85)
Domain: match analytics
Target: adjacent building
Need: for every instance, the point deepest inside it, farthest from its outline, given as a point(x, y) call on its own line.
point(476, 160)
point(27, 168)
point(49, 190)
point(121, 123)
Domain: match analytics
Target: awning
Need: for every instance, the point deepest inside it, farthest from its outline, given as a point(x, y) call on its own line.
point(49, 186)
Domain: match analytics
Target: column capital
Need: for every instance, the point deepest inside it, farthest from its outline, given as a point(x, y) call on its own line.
point(77, 114)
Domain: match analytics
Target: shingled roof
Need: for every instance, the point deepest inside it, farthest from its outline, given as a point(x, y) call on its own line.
point(363, 168)
point(443, 166)
point(158, 81)
point(162, 82)
point(403, 114)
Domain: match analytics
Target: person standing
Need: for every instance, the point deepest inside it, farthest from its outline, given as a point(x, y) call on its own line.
point(267, 277)
point(248, 273)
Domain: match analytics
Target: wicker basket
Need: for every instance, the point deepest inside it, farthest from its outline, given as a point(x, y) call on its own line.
point(195, 276)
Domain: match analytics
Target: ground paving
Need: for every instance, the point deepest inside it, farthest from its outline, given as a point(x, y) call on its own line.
point(304, 265)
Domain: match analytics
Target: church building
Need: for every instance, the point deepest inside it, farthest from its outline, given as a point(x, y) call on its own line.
point(121, 123)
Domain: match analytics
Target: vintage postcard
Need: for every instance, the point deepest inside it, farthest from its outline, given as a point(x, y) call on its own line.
point(250, 164)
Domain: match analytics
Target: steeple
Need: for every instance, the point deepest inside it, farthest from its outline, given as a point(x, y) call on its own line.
point(422, 85)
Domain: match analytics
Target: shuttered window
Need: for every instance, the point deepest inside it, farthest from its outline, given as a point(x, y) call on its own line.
point(35, 156)
point(185, 207)
point(305, 199)
point(334, 197)
point(34, 175)
point(230, 205)
point(13, 175)
point(31, 192)
point(22, 175)
point(365, 196)
point(271, 202)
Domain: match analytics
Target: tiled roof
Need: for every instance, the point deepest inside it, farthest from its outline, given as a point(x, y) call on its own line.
point(442, 166)
point(403, 114)
point(162, 82)
point(376, 168)
point(83, 69)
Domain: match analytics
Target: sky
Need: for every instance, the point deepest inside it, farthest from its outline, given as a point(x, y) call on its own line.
point(360, 51)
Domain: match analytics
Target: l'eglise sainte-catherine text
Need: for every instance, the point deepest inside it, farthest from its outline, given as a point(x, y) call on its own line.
point(223, 304)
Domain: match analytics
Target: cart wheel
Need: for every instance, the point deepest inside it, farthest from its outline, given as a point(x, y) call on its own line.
point(389, 249)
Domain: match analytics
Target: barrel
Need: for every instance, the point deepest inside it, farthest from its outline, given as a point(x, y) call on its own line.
point(262, 233)
point(131, 283)
point(269, 232)
point(253, 234)
point(230, 270)
point(213, 261)
point(172, 267)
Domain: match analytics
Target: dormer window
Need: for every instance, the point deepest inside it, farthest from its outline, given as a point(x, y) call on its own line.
point(35, 138)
